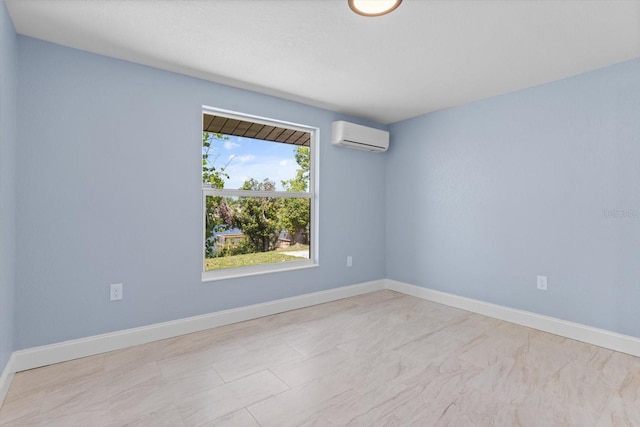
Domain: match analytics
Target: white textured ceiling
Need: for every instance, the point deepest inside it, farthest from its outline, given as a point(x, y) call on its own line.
point(425, 56)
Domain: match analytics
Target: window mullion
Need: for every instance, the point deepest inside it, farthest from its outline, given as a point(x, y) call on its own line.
point(255, 193)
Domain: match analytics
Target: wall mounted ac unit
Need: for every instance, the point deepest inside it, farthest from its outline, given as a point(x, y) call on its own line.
point(359, 137)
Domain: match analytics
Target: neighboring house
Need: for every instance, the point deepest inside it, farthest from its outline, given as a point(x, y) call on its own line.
point(229, 239)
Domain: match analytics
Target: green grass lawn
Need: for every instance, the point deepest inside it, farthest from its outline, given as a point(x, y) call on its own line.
point(248, 259)
point(296, 247)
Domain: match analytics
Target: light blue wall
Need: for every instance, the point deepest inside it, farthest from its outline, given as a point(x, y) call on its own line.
point(8, 57)
point(475, 200)
point(482, 198)
point(108, 191)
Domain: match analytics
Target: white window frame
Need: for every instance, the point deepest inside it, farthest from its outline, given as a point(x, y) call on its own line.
point(312, 195)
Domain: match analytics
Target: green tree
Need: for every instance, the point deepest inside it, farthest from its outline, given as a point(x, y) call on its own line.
point(219, 215)
point(295, 213)
point(258, 217)
point(213, 175)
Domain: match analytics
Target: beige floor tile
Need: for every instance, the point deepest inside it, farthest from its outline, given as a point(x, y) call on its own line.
point(22, 410)
point(33, 380)
point(491, 349)
point(425, 407)
point(192, 385)
point(277, 336)
point(82, 418)
point(419, 397)
point(542, 410)
point(255, 361)
point(373, 342)
point(443, 312)
point(300, 406)
point(309, 343)
point(162, 418)
point(75, 401)
point(241, 418)
point(630, 387)
point(302, 371)
point(619, 413)
point(382, 359)
point(440, 344)
point(213, 340)
point(190, 364)
point(132, 357)
point(120, 380)
point(375, 297)
point(136, 403)
point(223, 400)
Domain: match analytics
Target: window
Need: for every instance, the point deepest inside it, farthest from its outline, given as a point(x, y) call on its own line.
point(258, 194)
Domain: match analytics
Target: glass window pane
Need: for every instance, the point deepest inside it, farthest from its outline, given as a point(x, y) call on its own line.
point(245, 231)
point(229, 161)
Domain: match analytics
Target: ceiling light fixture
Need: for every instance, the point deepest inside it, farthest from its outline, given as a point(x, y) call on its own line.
point(374, 7)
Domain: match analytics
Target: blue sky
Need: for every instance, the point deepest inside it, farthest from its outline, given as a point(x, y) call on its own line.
point(253, 158)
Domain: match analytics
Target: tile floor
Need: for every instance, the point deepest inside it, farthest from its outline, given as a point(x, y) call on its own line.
point(377, 359)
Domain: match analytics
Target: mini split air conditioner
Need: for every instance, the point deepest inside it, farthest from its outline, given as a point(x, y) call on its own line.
point(359, 137)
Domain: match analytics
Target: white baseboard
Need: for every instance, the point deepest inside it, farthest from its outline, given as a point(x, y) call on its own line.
point(68, 350)
point(6, 377)
point(600, 337)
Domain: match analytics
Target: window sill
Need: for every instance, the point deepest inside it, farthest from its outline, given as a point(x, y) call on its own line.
point(258, 270)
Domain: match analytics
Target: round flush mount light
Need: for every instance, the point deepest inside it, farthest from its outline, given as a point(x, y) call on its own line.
point(374, 7)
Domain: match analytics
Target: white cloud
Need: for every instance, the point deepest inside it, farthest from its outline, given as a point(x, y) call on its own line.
point(244, 158)
point(284, 162)
point(230, 145)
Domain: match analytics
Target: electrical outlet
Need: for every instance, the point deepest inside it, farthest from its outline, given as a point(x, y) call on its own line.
point(349, 261)
point(542, 283)
point(116, 291)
